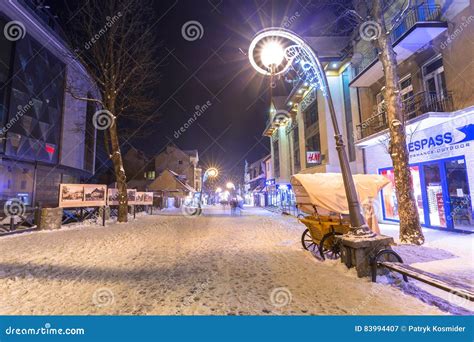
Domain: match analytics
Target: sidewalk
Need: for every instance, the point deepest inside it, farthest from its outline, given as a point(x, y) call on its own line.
point(444, 253)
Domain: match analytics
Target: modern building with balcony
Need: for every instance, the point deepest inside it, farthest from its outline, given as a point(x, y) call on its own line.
point(47, 137)
point(435, 49)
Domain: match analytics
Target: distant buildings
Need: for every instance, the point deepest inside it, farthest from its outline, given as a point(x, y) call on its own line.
point(174, 173)
point(255, 177)
point(46, 136)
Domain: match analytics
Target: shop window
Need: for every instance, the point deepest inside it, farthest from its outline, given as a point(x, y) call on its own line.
point(435, 196)
point(459, 195)
point(389, 195)
point(311, 115)
point(16, 182)
point(313, 144)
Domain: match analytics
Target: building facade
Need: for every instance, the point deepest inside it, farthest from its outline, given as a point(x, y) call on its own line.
point(47, 136)
point(300, 127)
point(184, 163)
point(434, 49)
point(255, 178)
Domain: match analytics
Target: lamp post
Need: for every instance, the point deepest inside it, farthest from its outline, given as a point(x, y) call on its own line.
point(296, 50)
point(211, 172)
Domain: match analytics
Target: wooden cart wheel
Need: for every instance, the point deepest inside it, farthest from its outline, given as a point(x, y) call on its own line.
point(307, 241)
point(332, 249)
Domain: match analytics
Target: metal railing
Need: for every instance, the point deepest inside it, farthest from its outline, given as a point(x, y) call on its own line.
point(421, 13)
point(418, 104)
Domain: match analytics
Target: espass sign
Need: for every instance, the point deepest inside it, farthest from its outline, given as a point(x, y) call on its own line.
point(313, 157)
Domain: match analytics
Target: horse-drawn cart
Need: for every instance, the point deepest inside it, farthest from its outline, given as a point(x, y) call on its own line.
point(322, 196)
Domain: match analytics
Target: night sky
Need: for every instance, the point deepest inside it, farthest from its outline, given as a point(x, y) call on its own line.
point(215, 68)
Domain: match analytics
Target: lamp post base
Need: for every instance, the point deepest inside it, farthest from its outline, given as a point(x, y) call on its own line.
point(357, 251)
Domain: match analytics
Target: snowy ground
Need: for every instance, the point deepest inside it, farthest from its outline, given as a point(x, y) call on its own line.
point(171, 264)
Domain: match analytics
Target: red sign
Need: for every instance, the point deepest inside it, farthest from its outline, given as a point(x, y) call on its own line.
point(313, 157)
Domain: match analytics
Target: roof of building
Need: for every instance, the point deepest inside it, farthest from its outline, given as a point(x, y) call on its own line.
point(191, 153)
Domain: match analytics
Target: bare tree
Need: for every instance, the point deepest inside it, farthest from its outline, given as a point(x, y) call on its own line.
point(410, 228)
point(369, 17)
point(372, 14)
point(114, 41)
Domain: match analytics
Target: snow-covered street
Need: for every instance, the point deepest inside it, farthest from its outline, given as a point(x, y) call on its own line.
point(172, 264)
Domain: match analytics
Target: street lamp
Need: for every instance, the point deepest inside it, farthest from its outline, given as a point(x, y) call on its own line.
point(297, 51)
point(272, 54)
point(218, 190)
point(211, 172)
point(230, 186)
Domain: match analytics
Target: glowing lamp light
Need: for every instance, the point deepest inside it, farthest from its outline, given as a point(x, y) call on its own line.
point(218, 190)
point(272, 54)
point(230, 185)
point(212, 172)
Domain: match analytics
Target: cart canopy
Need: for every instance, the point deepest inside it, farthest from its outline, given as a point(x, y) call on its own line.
point(325, 191)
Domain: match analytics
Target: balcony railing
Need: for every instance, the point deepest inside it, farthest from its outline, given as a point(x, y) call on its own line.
point(415, 106)
point(421, 13)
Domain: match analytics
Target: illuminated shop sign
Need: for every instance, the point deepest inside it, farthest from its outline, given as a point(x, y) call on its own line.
point(313, 157)
point(442, 139)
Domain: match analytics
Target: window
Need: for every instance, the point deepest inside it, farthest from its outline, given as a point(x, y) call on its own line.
point(39, 77)
point(406, 92)
point(89, 143)
point(180, 162)
point(276, 158)
point(311, 115)
point(296, 150)
point(313, 144)
point(434, 79)
point(348, 115)
point(150, 175)
point(5, 65)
